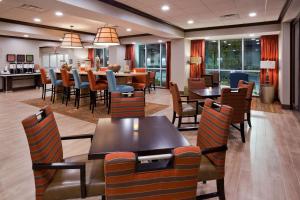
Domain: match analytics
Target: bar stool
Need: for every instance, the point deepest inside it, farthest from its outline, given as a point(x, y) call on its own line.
point(45, 81)
point(68, 85)
point(78, 86)
point(94, 88)
point(55, 84)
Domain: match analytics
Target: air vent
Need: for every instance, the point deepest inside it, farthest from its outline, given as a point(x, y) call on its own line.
point(230, 16)
point(31, 8)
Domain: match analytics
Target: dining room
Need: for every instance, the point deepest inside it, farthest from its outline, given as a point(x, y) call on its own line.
point(134, 100)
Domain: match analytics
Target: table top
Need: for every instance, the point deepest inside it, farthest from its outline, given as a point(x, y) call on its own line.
point(153, 135)
point(118, 74)
point(23, 74)
point(210, 92)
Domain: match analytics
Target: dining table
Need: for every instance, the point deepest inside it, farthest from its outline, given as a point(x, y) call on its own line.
point(151, 135)
point(209, 92)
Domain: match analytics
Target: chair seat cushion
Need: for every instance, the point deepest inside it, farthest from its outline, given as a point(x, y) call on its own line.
point(84, 84)
point(66, 182)
point(48, 81)
point(139, 86)
point(207, 171)
point(124, 88)
point(58, 82)
point(188, 109)
point(100, 86)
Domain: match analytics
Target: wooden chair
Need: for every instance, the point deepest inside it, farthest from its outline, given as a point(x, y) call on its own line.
point(236, 100)
point(152, 75)
point(212, 139)
point(94, 88)
point(250, 87)
point(45, 82)
point(216, 78)
point(68, 86)
point(56, 177)
point(141, 82)
point(122, 106)
point(181, 108)
point(126, 179)
point(195, 83)
point(208, 80)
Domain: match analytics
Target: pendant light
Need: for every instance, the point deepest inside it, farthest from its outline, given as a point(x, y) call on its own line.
point(107, 36)
point(71, 40)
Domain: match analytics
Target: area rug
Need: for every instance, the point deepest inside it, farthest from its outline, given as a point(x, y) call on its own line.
point(83, 113)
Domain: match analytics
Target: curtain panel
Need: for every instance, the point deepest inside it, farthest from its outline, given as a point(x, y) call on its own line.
point(269, 51)
point(197, 50)
point(129, 55)
point(91, 56)
point(168, 64)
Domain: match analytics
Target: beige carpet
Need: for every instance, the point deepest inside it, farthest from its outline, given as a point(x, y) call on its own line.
point(83, 112)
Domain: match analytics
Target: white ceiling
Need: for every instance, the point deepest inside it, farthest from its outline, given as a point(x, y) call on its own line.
point(206, 13)
point(10, 9)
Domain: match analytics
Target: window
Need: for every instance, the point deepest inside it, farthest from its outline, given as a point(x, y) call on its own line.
point(153, 57)
point(231, 55)
point(103, 56)
point(55, 60)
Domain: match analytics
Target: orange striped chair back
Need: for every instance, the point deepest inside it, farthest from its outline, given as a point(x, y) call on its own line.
point(236, 100)
point(45, 146)
point(179, 182)
point(65, 77)
point(44, 78)
point(249, 86)
point(122, 106)
point(177, 106)
point(92, 80)
point(214, 131)
point(140, 70)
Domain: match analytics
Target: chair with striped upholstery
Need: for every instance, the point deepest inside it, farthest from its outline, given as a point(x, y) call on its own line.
point(236, 98)
point(122, 106)
point(45, 81)
point(124, 180)
point(56, 177)
point(212, 139)
point(195, 83)
point(250, 87)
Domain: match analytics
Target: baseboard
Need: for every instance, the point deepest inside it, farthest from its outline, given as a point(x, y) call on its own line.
point(285, 106)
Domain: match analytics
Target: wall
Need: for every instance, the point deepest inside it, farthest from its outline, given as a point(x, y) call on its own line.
point(284, 64)
point(180, 51)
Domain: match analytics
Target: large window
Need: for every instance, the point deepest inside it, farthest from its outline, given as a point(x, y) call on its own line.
point(103, 56)
point(153, 57)
point(231, 55)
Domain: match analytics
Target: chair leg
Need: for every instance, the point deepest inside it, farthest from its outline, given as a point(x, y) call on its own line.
point(149, 90)
point(249, 118)
point(221, 189)
point(68, 95)
point(195, 119)
point(52, 88)
point(174, 117)
point(179, 122)
point(109, 103)
point(242, 127)
point(63, 95)
point(93, 101)
point(78, 98)
point(43, 90)
point(54, 94)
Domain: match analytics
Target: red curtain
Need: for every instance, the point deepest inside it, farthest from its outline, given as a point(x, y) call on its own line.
point(197, 50)
point(168, 63)
point(129, 55)
point(91, 56)
point(269, 51)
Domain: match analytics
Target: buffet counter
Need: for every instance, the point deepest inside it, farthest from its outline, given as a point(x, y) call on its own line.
point(12, 82)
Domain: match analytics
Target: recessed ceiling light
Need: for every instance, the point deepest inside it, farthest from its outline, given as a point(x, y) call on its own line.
point(251, 35)
point(190, 21)
point(0, 0)
point(61, 39)
point(128, 29)
point(252, 14)
point(37, 20)
point(160, 41)
point(26, 35)
point(165, 8)
point(206, 38)
point(58, 13)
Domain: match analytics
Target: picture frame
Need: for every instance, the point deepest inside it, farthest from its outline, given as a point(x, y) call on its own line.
point(20, 58)
point(29, 58)
point(11, 58)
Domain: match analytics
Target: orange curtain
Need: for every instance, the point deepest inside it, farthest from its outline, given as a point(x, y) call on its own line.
point(91, 56)
point(129, 55)
point(197, 50)
point(168, 63)
point(269, 51)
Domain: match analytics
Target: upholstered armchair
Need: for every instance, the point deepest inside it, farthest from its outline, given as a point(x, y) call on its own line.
point(45, 82)
point(127, 179)
point(124, 106)
point(183, 108)
point(216, 78)
point(195, 83)
point(56, 177)
point(141, 82)
point(212, 139)
point(250, 87)
point(236, 98)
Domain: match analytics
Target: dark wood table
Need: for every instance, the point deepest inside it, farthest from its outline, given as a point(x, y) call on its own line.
point(154, 135)
point(210, 92)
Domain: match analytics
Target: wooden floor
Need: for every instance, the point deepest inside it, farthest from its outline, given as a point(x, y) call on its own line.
point(267, 167)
